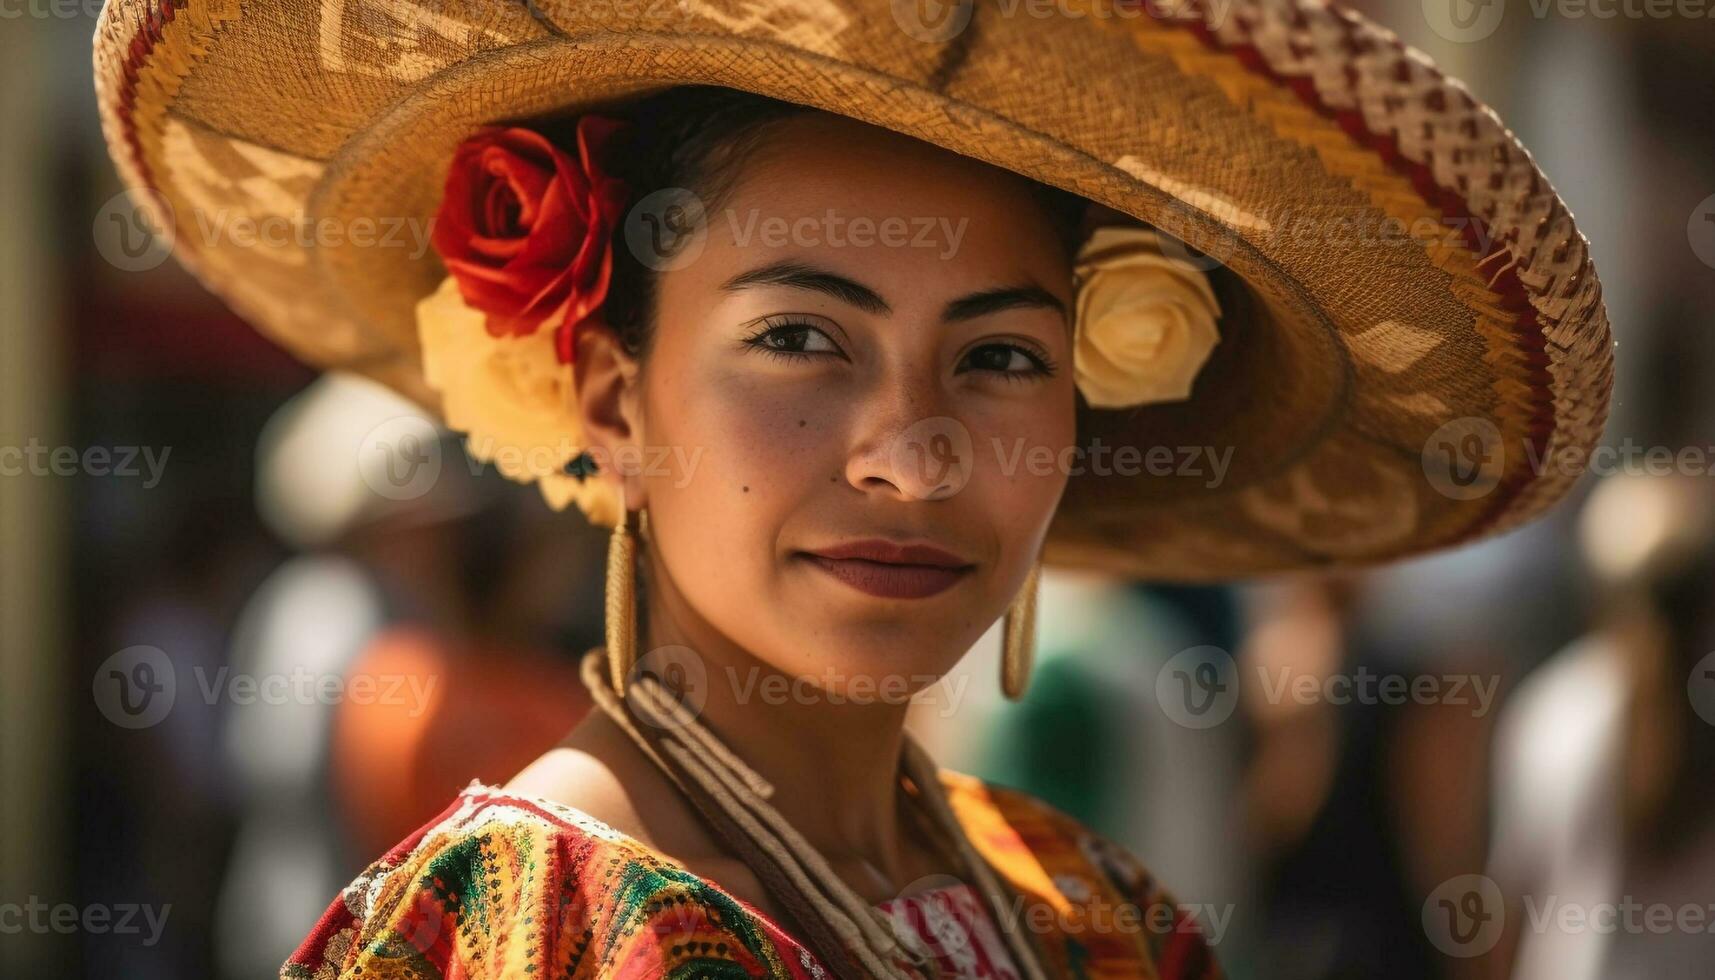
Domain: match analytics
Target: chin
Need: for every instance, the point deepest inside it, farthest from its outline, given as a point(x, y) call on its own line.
point(913, 649)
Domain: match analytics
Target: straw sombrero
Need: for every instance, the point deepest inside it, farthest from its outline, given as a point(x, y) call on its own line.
point(1423, 326)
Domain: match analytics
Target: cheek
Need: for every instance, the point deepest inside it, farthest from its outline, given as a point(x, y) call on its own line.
point(1023, 460)
point(746, 455)
point(754, 439)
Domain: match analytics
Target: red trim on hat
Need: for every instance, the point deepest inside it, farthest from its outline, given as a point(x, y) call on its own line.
point(1506, 284)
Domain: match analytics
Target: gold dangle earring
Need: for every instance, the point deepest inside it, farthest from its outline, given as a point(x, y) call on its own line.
point(621, 598)
point(1018, 637)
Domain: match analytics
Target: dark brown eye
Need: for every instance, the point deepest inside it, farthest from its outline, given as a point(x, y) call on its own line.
point(793, 339)
point(787, 338)
point(1003, 359)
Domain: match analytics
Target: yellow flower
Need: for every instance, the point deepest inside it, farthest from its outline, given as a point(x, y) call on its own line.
point(1145, 320)
point(513, 400)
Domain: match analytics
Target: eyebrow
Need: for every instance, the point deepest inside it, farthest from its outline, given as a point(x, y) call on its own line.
point(798, 275)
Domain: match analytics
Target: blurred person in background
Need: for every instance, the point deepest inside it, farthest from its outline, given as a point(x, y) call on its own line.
point(1358, 800)
point(529, 596)
point(1604, 827)
point(433, 601)
point(1604, 773)
point(362, 560)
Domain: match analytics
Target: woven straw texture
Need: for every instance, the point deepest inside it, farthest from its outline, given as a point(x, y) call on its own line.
point(1281, 137)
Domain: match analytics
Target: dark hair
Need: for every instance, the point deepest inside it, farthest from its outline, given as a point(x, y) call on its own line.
point(698, 137)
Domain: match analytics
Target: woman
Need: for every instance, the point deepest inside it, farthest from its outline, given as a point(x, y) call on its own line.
point(844, 338)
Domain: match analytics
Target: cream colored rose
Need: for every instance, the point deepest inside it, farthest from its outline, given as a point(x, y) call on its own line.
point(1145, 320)
point(513, 400)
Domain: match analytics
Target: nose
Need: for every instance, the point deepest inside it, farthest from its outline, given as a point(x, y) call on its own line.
point(906, 445)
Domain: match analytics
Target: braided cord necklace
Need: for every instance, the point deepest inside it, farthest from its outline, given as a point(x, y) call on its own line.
point(853, 937)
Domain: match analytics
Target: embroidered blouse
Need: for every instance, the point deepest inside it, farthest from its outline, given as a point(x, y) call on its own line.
point(502, 886)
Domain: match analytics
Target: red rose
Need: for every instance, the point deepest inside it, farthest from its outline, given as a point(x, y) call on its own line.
point(527, 231)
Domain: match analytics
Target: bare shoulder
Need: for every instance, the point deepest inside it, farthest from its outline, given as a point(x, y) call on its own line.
point(598, 770)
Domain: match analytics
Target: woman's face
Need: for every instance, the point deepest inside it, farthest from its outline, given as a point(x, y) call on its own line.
point(873, 349)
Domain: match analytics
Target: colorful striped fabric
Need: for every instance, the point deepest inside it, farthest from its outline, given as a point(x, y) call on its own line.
point(505, 886)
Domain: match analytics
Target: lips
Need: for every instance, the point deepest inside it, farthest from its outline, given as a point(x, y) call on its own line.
point(890, 570)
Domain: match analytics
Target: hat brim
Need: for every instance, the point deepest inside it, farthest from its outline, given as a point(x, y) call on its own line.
point(1411, 325)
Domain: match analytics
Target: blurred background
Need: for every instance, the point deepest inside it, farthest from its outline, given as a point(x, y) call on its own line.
point(230, 676)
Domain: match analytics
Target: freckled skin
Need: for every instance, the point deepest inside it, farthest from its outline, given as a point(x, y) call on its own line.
point(775, 426)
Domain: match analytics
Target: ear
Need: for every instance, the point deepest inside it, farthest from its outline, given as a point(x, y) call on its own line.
point(609, 404)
